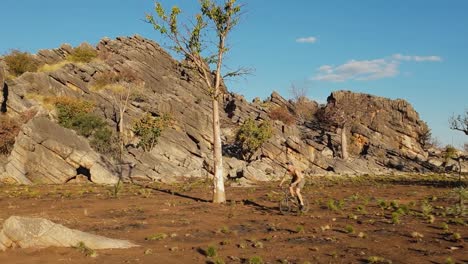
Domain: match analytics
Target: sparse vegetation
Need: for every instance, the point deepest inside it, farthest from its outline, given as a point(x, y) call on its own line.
point(148, 129)
point(304, 109)
point(77, 115)
point(89, 252)
point(9, 129)
point(378, 260)
point(19, 62)
point(83, 53)
point(449, 153)
point(158, 236)
point(211, 252)
point(349, 229)
point(252, 136)
point(52, 67)
point(300, 229)
point(256, 260)
point(282, 114)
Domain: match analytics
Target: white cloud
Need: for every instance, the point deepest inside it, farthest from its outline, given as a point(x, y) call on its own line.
point(306, 40)
point(416, 58)
point(358, 70)
point(365, 70)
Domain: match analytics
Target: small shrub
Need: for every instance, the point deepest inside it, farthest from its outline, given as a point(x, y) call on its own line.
point(89, 252)
point(456, 237)
point(256, 260)
point(252, 136)
point(105, 141)
point(382, 204)
point(378, 260)
point(83, 53)
point(449, 260)
point(19, 62)
point(304, 109)
point(300, 229)
point(77, 115)
point(158, 236)
point(282, 114)
point(444, 226)
point(148, 129)
point(211, 252)
point(9, 129)
point(426, 209)
point(335, 205)
point(225, 230)
point(349, 229)
point(450, 152)
point(105, 78)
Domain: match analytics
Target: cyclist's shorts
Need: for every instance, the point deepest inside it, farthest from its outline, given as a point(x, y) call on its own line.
point(300, 185)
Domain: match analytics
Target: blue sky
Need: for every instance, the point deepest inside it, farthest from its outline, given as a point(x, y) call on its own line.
point(415, 50)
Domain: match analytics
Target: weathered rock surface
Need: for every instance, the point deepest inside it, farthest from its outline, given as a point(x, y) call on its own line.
point(45, 152)
point(26, 232)
point(385, 135)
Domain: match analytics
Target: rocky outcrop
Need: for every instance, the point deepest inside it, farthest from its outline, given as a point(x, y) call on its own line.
point(27, 232)
point(389, 131)
point(385, 134)
point(45, 152)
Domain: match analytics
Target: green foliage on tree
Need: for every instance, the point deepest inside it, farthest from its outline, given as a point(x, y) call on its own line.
point(148, 129)
point(252, 136)
point(19, 62)
point(194, 43)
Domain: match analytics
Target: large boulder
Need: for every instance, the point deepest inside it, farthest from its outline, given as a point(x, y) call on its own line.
point(45, 152)
point(27, 232)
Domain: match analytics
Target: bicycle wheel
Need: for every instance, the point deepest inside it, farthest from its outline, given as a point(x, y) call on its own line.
point(285, 205)
point(306, 207)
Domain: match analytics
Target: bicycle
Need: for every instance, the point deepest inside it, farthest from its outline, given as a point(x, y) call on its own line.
point(288, 202)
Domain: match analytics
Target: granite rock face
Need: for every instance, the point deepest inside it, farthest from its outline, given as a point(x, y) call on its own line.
point(385, 134)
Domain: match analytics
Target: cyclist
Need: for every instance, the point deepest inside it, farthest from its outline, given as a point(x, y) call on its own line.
point(297, 183)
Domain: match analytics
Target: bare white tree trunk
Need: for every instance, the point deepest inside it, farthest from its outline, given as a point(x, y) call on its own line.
point(219, 195)
point(121, 132)
point(344, 143)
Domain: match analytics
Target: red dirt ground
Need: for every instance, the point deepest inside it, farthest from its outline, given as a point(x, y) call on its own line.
point(356, 228)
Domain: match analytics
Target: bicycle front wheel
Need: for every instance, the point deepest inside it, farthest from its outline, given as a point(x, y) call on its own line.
point(285, 206)
point(306, 207)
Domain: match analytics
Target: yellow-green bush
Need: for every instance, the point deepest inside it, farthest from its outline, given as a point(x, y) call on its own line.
point(19, 62)
point(252, 136)
point(78, 115)
point(83, 53)
point(148, 129)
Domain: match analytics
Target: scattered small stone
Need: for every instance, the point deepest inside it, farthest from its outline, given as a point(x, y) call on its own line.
point(174, 249)
point(416, 235)
point(314, 249)
point(234, 258)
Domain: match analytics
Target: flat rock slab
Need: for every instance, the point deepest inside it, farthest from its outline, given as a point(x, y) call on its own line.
point(25, 232)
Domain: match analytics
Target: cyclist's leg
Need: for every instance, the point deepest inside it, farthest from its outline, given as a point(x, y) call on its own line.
point(291, 191)
point(299, 196)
